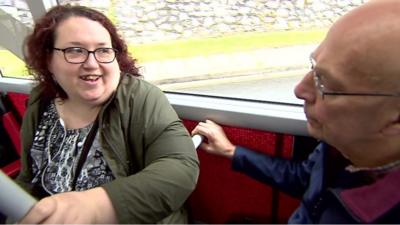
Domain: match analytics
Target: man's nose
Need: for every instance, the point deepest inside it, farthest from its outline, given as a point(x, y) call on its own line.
point(305, 89)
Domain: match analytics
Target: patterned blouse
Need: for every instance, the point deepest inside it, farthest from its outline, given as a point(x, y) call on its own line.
point(55, 154)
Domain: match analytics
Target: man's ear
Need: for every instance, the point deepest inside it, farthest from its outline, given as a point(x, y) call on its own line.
point(392, 128)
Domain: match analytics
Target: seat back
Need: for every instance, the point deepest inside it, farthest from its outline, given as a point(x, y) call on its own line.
point(12, 128)
point(225, 196)
point(11, 121)
point(17, 103)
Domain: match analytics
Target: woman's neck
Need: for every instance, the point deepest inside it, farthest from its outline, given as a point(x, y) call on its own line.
point(75, 114)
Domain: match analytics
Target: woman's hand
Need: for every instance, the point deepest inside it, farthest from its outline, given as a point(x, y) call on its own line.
point(218, 143)
point(85, 207)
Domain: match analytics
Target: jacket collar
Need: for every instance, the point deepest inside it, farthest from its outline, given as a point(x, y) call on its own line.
point(372, 201)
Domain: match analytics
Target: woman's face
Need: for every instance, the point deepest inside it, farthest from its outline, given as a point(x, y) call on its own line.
point(90, 82)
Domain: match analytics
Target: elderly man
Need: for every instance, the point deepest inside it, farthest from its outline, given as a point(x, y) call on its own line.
point(351, 100)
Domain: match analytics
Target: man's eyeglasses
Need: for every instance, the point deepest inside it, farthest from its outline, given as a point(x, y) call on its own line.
point(77, 55)
point(321, 89)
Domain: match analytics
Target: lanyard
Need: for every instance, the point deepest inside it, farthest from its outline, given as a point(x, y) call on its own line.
point(85, 151)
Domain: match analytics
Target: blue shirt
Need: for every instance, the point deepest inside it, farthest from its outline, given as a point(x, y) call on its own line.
point(329, 193)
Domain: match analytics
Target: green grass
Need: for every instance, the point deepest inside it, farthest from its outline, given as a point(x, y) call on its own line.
point(226, 44)
point(12, 66)
point(111, 12)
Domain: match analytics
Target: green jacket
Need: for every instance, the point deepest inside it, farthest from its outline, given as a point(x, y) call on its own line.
point(145, 145)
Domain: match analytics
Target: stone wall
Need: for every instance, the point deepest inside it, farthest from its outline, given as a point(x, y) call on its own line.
point(156, 20)
point(17, 9)
point(143, 21)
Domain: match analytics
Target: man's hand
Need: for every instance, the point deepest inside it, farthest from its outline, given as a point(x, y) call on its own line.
point(218, 143)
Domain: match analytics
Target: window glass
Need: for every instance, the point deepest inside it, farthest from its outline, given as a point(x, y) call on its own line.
point(18, 9)
point(11, 65)
point(251, 49)
point(256, 49)
point(14, 18)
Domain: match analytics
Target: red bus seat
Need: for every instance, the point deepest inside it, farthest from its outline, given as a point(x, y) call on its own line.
point(12, 128)
point(18, 103)
point(225, 196)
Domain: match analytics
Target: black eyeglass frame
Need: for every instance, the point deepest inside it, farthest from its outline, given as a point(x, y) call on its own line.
point(87, 55)
point(320, 87)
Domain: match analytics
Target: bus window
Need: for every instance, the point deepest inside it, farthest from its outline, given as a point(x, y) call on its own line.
point(15, 22)
point(238, 49)
point(241, 49)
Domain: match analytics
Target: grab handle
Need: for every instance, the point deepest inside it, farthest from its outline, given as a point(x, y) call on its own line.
point(15, 202)
point(197, 139)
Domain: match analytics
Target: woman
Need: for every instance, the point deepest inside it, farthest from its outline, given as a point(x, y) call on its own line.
point(100, 145)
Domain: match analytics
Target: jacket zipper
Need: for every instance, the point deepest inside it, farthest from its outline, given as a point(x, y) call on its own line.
point(119, 157)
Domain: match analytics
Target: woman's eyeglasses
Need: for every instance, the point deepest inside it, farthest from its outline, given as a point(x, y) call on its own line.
point(78, 55)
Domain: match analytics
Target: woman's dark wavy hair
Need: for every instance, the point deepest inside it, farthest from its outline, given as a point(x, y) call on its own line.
point(39, 46)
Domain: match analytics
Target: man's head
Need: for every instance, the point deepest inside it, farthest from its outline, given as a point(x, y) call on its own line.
point(357, 66)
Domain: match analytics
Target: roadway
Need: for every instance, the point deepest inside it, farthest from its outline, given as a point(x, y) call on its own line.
point(268, 88)
point(264, 74)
